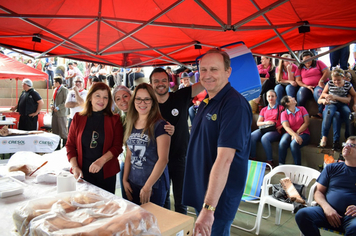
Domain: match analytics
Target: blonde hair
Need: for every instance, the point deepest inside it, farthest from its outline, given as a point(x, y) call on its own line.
point(337, 72)
point(132, 114)
point(281, 67)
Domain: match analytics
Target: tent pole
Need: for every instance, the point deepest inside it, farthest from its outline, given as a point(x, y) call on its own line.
point(47, 82)
point(17, 90)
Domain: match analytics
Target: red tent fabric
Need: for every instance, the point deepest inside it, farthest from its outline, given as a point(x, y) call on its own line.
point(12, 69)
point(157, 32)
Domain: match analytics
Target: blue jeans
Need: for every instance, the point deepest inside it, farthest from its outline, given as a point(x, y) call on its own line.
point(286, 142)
point(328, 115)
point(158, 196)
point(50, 74)
point(310, 218)
point(267, 139)
point(304, 94)
point(282, 90)
point(340, 56)
point(221, 227)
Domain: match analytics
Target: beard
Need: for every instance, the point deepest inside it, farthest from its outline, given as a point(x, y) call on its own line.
point(161, 92)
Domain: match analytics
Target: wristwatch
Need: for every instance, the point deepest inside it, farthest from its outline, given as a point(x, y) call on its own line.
point(208, 207)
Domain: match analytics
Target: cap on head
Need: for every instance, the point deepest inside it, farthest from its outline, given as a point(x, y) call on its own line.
point(184, 74)
point(28, 82)
point(78, 78)
point(119, 88)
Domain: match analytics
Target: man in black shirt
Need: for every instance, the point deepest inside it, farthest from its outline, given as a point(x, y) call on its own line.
point(174, 109)
point(29, 106)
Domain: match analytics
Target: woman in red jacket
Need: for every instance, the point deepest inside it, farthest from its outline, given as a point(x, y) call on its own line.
point(95, 140)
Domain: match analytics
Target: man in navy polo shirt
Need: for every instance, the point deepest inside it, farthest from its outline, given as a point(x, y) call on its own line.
point(218, 149)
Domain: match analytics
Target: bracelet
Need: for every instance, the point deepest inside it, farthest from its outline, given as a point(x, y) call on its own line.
point(208, 207)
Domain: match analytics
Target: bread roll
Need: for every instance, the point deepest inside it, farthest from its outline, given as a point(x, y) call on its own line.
point(290, 190)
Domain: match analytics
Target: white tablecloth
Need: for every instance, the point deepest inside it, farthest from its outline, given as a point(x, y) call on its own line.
point(39, 143)
point(56, 161)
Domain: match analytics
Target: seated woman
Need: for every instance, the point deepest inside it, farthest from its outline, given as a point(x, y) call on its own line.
point(146, 173)
point(267, 75)
point(295, 121)
point(268, 115)
point(311, 77)
point(95, 140)
point(285, 79)
point(336, 96)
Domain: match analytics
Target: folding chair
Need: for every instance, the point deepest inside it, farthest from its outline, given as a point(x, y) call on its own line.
point(254, 180)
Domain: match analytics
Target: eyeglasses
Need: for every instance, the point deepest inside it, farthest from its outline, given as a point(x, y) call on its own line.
point(78, 81)
point(352, 145)
point(94, 137)
point(145, 100)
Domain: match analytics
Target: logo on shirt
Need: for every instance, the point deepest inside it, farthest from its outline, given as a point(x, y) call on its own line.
point(212, 117)
point(175, 112)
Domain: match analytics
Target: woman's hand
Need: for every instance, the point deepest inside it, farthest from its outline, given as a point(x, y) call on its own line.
point(321, 84)
point(96, 166)
point(293, 83)
point(145, 195)
point(77, 172)
point(128, 189)
point(289, 67)
point(298, 139)
point(169, 128)
point(269, 122)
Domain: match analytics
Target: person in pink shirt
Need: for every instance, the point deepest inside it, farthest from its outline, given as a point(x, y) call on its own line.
point(270, 114)
point(295, 121)
point(311, 77)
point(285, 79)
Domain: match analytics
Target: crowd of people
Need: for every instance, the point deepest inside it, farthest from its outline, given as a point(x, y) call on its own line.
point(292, 87)
point(147, 125)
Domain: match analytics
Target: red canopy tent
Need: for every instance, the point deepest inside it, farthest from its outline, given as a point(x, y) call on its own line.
point(12, 69)
point(157, 32)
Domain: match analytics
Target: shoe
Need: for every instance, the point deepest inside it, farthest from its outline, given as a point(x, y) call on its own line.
point(336, 146)
point(322, 144)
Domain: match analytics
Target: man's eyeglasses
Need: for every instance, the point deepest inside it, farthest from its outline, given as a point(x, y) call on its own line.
point(352, 145)
point(94, 137)
point(145, 100)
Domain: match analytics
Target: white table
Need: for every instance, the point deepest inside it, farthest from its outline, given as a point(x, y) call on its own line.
point(39, 143)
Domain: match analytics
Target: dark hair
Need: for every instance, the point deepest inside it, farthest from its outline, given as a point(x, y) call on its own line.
point(58, 79)
point(132, 114)
point(75, 63)
point(158, 70)
point(284, 101)
point(304, 54)
point(70, 63)
point(88, 108)
point(226, 57)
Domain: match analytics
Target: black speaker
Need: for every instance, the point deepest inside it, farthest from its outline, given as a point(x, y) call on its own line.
point(304, 29)
point(36, 39)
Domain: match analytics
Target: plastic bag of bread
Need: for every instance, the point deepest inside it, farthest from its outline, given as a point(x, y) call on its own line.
point(83, 213)
point(290, 190)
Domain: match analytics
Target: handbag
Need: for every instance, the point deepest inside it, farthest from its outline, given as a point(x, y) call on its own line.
point(270, 127)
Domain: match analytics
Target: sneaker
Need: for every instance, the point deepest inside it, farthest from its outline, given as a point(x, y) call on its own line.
point(336, 146)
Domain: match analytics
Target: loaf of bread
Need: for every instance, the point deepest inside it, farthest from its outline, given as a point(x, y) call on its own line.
point(290, 190)
point(83, 213)
point(24, 168)
point(4, 131)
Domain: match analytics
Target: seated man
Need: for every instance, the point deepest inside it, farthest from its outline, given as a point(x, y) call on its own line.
point(336, 195)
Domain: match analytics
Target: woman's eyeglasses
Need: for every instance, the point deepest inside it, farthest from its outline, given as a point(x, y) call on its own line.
point(352, 145)
point(145, 100)
point(94, 137)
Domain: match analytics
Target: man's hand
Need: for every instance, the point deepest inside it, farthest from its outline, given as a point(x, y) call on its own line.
point(351, 211)
point(33, 114)
point(204, 223)
point(333, 217)
point(169, 128)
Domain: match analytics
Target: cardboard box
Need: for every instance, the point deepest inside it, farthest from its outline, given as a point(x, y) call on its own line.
point(169, 222)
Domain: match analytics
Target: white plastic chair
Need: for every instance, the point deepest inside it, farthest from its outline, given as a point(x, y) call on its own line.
point(298, 175)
